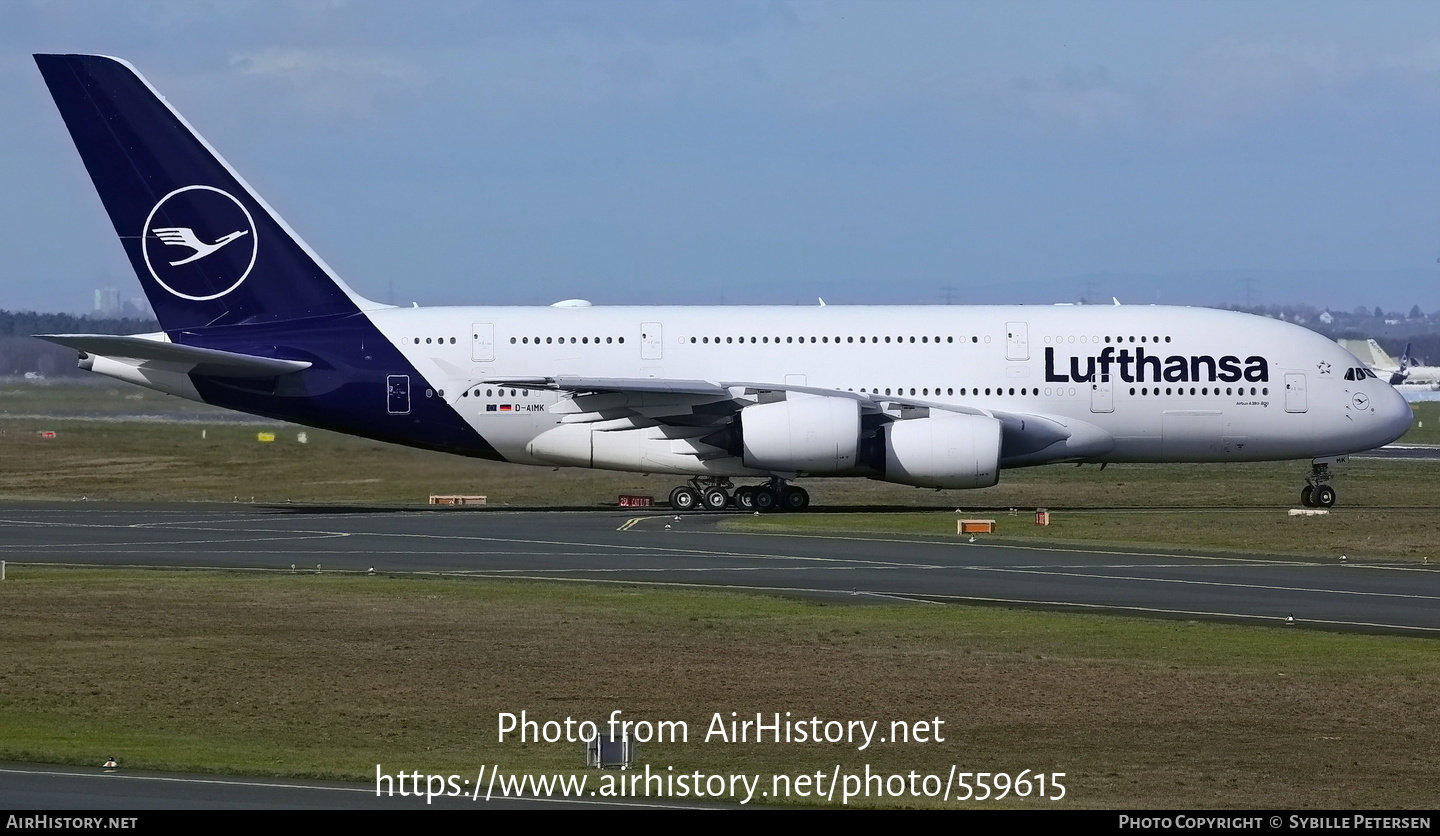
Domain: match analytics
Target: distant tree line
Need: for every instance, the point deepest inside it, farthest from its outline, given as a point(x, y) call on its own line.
point(21, 354)
point(1424, 348)
point(25, 323)
point(1393, 330)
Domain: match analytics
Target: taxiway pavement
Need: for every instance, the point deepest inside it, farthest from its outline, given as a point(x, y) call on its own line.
point(696, 551)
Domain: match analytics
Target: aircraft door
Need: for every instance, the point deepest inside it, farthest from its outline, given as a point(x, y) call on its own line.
point(397, 394)
point(1295, 400)
point(1017, 341)
point(482, 342)
point(652, 341)
point(1102, 395)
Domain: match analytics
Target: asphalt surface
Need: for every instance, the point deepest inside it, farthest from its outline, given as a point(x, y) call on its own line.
point(1413, 452)
point(693, 550)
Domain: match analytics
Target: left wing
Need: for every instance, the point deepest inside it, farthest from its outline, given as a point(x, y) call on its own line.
point(738, 428)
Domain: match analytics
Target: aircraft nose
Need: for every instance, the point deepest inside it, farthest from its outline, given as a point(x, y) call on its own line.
point(1394, 413)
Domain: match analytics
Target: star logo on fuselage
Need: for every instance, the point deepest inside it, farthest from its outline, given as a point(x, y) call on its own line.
point(1323, 366)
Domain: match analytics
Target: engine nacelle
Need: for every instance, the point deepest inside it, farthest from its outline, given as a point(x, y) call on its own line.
point(803, 433)
point(946, 450)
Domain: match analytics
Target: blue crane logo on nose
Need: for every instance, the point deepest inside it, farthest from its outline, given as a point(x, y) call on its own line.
point(195, 242)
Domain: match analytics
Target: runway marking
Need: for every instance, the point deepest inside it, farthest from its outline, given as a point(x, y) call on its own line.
point(128, 544)
point(161, 778)
point(395, 570)
point(1279, 620)
point(1079, 549)
point(659, 552)
point(315, 787)
point(674, 550)
point(1024, 602)
point(643, 551)
point(851, 565)
point(1265, 587)
point(996, 569)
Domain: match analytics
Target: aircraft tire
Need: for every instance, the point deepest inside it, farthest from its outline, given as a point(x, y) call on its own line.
point(795, 499)
point(1307, 496)
point(715, 499)
point(684, 498)
point(745, 498)
point(1325, 497)
point(766, 501)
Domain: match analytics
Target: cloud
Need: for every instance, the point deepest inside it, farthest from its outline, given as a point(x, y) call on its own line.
point(334, 83)
point(1073, 100)
point(1237, 80)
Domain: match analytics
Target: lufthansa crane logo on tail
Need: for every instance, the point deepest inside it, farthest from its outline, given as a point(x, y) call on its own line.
point(184, 236)
point(199, 242)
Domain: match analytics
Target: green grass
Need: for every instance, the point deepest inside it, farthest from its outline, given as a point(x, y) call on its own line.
point(99, 397)
point(1426, 427)
point(328, 675)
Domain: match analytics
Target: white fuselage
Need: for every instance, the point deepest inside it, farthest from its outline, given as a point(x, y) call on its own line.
point(1184, 384)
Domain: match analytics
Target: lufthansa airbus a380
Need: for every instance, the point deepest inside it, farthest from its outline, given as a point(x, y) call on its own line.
point(939, 397)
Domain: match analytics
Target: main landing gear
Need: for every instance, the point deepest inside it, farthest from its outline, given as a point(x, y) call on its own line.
point(1317, 492)
point(716, 494)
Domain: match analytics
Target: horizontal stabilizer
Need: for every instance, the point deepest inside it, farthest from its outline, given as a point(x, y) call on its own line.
point(187, 358)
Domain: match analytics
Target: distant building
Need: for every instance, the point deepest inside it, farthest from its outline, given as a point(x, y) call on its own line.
point(137, 308)
point(107, 302)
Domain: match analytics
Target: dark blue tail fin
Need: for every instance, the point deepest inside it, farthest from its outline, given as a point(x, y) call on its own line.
point(207, 249)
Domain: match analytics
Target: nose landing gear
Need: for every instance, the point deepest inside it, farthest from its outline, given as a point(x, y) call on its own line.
point(1317, 492)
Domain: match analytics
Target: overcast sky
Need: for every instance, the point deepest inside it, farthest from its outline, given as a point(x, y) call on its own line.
point(759, 152)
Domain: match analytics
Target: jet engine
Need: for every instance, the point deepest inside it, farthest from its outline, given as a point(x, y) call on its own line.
point(945, 450)
point(810, 434)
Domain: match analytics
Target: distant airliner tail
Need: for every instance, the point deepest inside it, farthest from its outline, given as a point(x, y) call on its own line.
point(1403, 371)
point(207, 249)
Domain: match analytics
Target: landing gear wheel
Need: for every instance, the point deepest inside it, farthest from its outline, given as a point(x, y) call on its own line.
point(715, 499)
point(1317, 492)
point(765, 500)
point(794, 499)
point(745, 498)
point(684, 498)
